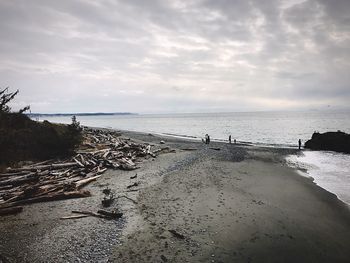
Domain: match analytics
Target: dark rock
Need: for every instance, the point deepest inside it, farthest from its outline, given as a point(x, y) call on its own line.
point(330, 141)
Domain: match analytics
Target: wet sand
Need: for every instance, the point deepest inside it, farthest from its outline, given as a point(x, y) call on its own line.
point(236, 204)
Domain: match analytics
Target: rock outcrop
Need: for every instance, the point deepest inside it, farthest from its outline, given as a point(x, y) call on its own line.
point(330, 141)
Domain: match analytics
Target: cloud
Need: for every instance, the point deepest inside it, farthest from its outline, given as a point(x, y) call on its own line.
point(182, 56)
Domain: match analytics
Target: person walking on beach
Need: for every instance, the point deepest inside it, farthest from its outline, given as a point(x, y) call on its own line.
point(206, 138)
point(234, 141)
point(299, 142)
point(229, 139)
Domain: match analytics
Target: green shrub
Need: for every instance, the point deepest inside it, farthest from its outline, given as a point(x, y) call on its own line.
point(24, 139)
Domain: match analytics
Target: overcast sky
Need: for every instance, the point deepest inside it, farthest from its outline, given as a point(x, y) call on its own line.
point(176, 56)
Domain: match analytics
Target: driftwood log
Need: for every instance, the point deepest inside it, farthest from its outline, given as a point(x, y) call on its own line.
point(101, 214)
point(63, 179)
point(176, 234)
point(114, 215)
point(11, 210)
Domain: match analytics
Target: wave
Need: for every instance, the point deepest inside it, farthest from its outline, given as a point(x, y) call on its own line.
point(329, 170)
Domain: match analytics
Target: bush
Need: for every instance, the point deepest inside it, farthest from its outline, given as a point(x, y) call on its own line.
point(24, 139)
point(72, 135)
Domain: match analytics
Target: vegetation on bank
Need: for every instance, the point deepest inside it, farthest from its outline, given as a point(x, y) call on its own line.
point(24, 139)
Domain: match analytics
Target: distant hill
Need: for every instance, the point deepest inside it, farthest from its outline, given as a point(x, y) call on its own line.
point(33, 115)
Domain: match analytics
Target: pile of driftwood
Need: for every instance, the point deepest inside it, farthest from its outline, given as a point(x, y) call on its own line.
point(56, 180)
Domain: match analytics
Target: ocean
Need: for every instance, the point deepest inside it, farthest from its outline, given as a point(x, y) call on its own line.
point(330, 170)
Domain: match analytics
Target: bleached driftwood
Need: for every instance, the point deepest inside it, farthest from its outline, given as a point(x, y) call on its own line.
point(62, 179)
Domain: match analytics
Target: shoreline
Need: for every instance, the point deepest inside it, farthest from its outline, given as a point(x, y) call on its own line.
point(320, 173)
point(198, 138)
point(258, 159)
point(218, 140)
point(239, 203)
point(300, 171)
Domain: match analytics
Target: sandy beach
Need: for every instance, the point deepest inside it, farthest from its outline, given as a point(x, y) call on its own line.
point(202, 203)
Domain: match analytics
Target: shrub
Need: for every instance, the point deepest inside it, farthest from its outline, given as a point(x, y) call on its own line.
point(24, 139)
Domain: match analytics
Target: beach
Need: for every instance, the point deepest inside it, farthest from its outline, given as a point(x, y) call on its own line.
point(202, 203)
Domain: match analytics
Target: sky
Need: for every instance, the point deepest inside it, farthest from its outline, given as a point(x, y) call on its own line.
point(164, 56)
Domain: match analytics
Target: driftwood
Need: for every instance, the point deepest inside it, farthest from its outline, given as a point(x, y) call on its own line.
point(73, 217)
point(213, 148)
point(50, 197)
point(176, 234)
point(100, 214)
point(11, 210)
point(164, 149)
point(88, 213)
point(132, 185)
point(126, 197)
point(189, 149)
point(113, 215)
point(21, 180)
point(43, 167)
point(12, 174)
point(63, 179)
point(83, 182)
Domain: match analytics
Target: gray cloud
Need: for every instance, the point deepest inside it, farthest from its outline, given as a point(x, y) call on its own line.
point(174, 55)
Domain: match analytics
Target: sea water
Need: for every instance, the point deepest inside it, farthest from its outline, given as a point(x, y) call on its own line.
point(270, 128)
point(280, 129)
point(330, 170)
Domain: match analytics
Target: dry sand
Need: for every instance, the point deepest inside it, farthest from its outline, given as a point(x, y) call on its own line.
point(236, 204)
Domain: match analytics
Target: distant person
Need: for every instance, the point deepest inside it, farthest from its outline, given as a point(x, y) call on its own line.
point(208, 139)
point(229, 139)
point(234, 141)
point(299, 142)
